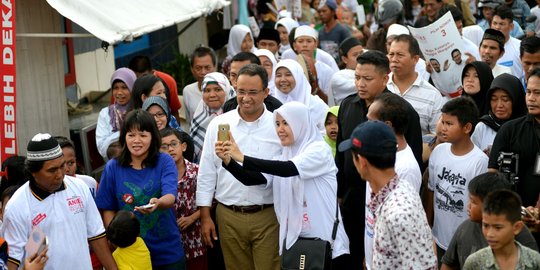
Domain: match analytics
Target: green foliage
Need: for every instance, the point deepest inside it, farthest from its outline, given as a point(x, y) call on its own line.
point(180, 69)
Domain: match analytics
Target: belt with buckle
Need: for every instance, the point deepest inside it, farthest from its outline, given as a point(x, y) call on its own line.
point(248, 208)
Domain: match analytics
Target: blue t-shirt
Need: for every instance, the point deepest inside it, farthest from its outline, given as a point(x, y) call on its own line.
point(123, 188)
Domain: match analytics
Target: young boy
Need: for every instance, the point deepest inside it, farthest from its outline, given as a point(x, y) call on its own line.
point(451, 166)
point(331, 126)
point(501, 222)
point(131, 251)
point(468, 237)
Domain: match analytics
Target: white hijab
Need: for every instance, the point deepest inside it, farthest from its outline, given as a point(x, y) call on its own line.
point(289, 24)
point(302, 93)
point(203, 114)
point(272, 57)
point(236, 36)
point(289, 191)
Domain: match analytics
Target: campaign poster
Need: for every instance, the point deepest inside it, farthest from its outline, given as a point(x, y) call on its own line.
point(8, 139)
point(442, 47)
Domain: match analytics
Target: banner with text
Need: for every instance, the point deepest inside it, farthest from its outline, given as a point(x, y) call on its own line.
point(8, 139)
point(442, 46)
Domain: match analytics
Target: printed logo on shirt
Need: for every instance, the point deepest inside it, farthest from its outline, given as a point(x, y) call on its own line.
point(127, 198)
point(75, 204)
point(451, 192)
point(38, 219)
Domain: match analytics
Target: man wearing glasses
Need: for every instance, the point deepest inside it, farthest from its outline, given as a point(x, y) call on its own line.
point(247, 222)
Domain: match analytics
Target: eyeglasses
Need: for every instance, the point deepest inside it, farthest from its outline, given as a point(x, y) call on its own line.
point(166, 146)
point(159, 115)
point(250, 93)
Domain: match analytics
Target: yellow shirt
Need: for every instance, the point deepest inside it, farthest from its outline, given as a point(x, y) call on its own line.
point(134, 257)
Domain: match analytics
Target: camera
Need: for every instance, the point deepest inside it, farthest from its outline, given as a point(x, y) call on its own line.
point(508, 165)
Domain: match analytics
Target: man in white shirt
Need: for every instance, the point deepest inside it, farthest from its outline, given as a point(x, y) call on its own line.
point(503, 21)
point(203, 61)
point(61, 206)
point(492, 49)
point(247, 222)
point(404, 81)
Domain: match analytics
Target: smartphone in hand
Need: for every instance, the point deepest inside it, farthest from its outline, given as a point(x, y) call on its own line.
point(223, 132)
point(37, 242)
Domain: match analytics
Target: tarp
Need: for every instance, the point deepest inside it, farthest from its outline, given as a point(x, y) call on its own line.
point(114, 21)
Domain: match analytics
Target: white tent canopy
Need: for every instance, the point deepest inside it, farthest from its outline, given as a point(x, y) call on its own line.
point(114, 21)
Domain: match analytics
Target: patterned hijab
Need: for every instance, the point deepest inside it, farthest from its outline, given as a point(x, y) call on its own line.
point(204, 114)
point(117, 112)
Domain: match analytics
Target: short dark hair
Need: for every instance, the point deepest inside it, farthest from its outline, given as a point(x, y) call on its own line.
point(534, 72)
point(481, 185)
point(376, 58)
point(65, 142)
point(464, 109)
point(457, 15)
point(15, 172)
point(453, 51)
point(529, 45)
point(142, 121)
point(503, 202)
point(382, 161)
point(184, 138)
point(140, 64)
point(414, 48)
point(203, 51)
point(504, 12)
point(393, 109)
point(246, 56)
point(124, 229)
point(255, 70)
point(143, 85)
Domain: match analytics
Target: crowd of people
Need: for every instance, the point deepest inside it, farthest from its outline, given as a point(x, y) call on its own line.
point(312, 121)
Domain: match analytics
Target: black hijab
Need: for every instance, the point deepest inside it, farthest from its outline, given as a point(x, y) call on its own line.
point(485, 76)
point(512, 85)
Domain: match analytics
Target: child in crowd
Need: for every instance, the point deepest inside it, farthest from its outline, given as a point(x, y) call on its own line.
point(131, 252)
point(501, 222)
point(451, 167)
point(68, 149)
point(349, 20)
point(180, 146)
point(468, 237)
point(331, 126)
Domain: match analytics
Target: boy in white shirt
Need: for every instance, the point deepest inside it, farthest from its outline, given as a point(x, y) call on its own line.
point(451, 166)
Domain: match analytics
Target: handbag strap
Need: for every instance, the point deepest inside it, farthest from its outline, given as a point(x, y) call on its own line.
point(336, 222)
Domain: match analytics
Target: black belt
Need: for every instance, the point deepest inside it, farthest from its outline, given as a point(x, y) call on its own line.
point(248, 208)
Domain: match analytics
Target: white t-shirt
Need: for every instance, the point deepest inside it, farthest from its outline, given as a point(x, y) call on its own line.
point(408, 170)
point(449, 177)
point(483, 136)
point(90, 182)
point(511, 58)
point(499, 69)
point(192, 96)
point(69, 218)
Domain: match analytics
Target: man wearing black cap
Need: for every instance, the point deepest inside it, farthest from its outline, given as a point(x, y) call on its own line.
point(61, 206)
point(491, 49)
point(349, 50)
point(332, 33)
point(268, 39)
point(402, 237)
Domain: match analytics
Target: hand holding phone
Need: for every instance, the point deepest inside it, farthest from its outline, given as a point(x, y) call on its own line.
point(37, 242)
point(147, 206)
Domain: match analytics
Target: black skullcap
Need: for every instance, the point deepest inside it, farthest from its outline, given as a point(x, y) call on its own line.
point(43, 147)
point(348, 44)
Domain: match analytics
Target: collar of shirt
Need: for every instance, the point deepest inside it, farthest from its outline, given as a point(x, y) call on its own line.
point(524, 260)
point(379, 198)
point(417, 82)
point(256, 123)
point(41, 194)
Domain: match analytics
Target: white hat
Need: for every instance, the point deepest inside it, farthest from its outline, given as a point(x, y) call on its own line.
point(396, 30)
point(305, 30)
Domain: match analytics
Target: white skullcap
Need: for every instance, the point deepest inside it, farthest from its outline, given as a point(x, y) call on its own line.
point(396, 30)
point(305, 30)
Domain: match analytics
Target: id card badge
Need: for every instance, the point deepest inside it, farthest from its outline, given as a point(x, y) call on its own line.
point(537, 165)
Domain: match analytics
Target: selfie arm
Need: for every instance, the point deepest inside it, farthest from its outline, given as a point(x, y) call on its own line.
point(273, 167)
point(246, 177)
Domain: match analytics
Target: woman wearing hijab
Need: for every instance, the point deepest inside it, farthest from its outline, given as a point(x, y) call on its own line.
point(268, 61)
point(111, 118)
point(158, 108)
point(506, 100)
point(216, 91)
point(240, 40)
point(292, 85)
point(304, 180)
point(476, 79)
point(284, 27)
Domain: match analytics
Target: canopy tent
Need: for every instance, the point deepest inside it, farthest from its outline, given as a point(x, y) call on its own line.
point(115, 21)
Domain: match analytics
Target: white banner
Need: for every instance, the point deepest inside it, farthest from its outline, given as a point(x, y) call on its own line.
point(442, 46)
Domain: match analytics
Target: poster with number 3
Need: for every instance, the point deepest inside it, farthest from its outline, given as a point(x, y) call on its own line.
point(442, 47)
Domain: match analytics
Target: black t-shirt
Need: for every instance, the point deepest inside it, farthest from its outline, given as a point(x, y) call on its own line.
point(519, 136)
